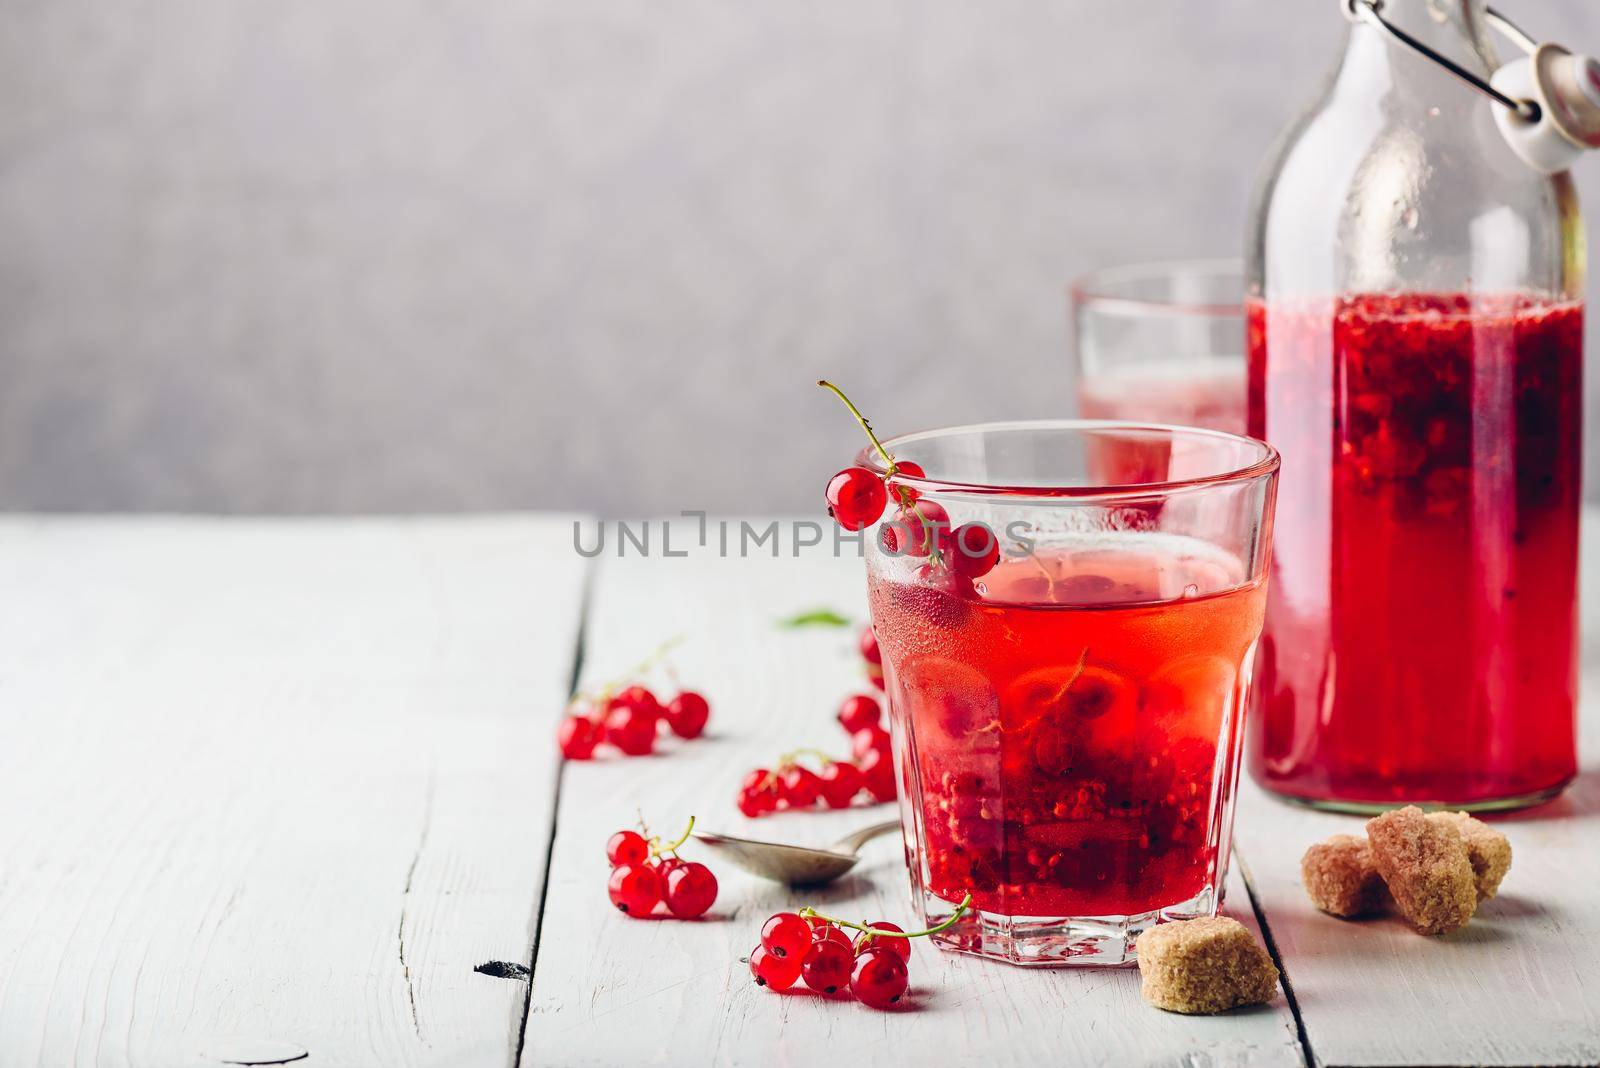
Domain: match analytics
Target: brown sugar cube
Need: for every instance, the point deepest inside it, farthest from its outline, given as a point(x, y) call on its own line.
point(1204, 966)
point(1488, 850)
point(1425, 865)
point(1340, 877)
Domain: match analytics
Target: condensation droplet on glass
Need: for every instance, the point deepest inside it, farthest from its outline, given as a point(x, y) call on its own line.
point(1191, 590)
point(1433, 112)
point(1411, 218)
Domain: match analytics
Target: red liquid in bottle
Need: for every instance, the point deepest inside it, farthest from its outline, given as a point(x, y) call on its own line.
point(1421, 637)
point(1068, 736)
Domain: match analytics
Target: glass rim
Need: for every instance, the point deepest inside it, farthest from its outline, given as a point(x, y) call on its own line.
point(1088, 290)
point(1264, 466)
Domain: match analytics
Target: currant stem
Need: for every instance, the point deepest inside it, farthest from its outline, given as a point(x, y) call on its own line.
point(810, 913)
point(658, 849)
point(609, 688)
point(883, 452)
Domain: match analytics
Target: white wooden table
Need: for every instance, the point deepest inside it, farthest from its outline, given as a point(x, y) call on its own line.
point(287, 788)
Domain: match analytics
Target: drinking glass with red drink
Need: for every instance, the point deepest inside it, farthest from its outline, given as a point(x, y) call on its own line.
point(1067, 718)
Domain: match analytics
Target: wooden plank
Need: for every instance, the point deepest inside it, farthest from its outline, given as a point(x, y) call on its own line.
point(267, 784)
point(610, 990)
point(1516, 986)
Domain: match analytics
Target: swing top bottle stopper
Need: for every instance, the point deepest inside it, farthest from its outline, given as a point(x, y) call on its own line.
point(1548, 99)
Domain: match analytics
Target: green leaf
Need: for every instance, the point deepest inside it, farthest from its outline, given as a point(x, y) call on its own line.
point(817, 617)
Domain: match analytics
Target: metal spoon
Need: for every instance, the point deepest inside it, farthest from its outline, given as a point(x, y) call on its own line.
point(792, 864)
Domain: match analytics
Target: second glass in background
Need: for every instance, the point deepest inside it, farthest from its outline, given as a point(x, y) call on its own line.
point(1162, 343)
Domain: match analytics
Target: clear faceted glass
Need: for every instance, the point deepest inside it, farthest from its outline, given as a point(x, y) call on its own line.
point(1163, 343)
point(1415, 341)
point(1067, 724)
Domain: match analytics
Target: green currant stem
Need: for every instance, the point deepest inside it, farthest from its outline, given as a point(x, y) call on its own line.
point(883, 452)
point(605, 692)
point(877, 932)
point(657, 849)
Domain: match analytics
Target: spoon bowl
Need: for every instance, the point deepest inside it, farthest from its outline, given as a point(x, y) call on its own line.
point(792, 864)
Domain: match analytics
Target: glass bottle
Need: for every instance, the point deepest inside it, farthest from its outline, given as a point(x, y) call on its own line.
point(1415, 336)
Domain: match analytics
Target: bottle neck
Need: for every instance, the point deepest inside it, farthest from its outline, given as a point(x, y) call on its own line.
point(1456, 29)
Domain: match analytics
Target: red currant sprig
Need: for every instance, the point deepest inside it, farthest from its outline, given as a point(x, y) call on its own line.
point(648, 877)
point(857, 497)
point(807, 945)
point(629, 717)
point(792, 785)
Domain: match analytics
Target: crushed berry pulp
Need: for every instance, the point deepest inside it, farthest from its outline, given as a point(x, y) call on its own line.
point(1421, 637)
point(1067, 727)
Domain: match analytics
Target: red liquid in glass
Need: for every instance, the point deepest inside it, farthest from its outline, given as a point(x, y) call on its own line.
point(1068, 737)
point(1421, 638)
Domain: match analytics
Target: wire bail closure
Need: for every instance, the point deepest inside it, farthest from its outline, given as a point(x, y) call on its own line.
point(1371, 13)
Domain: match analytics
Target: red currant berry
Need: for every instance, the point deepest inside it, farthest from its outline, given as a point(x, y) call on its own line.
point(691, 890)
point(664, 869)
point(869, 645)
point(880, 978)
point(916, 530)
point(840, 784)
point(900, 946)
point(902, 494)
point(800, 787)
point(823, 931)
point(859, 712)
point(627, 847)
point(877, 775)
point(875, 675)
point(687, 714)
point(972, 550)
point(635, 889)
point(867, 739)
point(827, 966)
point(577, 736)
point(786, 935)
point(856, 498)
point(758, 793)
point(630, 730)
point(640, 698)
point(771, 970)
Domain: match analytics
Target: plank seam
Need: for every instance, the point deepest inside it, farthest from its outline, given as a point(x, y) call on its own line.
point(578, 651)
point(1277, 958)
point(405, 901)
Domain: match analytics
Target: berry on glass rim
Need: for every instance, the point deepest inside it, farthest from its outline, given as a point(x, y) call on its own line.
point(917, 531)
point(856, 498)
point(972, 550)
point(687, 714)
point(859, 712)
point(903, 495)
point(577, 736)
point(880, 978)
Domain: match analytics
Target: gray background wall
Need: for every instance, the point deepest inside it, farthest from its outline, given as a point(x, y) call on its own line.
point(349, 255)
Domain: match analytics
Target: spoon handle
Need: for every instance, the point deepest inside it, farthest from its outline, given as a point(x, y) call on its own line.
point(852, 843)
